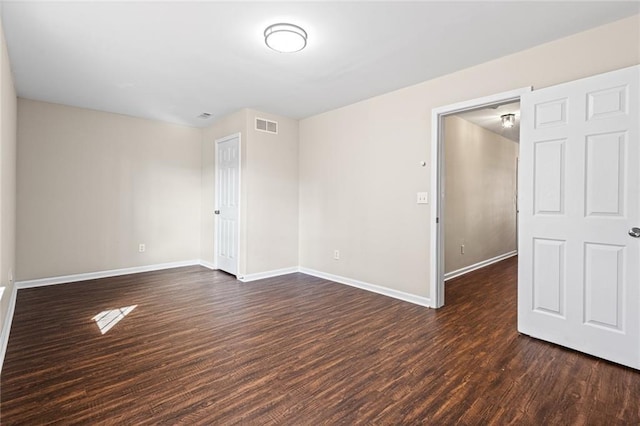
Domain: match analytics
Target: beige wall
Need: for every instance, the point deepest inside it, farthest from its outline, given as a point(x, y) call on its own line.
point(359, 165)
point(271, 181)
point(93, 185)
point(8, 118)
point(480, 189)
point(269, 209)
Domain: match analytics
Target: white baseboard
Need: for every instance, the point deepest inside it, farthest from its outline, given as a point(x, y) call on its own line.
point(4, 337)
point(396, 294)
point(470, 268)
point(207, 264)
point(103, 274)
point(268, 274)
point(6, 325)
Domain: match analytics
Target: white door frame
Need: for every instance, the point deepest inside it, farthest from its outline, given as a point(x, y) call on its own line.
point(216, 194)
point(436, 281)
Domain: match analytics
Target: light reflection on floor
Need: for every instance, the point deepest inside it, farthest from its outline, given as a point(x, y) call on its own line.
point(107, 319)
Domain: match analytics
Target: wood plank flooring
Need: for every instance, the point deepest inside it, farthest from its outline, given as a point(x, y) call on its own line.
point(203, 348)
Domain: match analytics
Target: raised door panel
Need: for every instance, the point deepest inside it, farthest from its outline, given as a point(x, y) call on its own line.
point(549, 277)
point(603, 286)
point(605, 174)
point(548, 179)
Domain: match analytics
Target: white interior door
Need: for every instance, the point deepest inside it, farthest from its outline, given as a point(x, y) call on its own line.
point(227, 203)
point(579, 279)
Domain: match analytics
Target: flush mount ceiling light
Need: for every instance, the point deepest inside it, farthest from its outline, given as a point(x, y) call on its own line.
point(508, 120)
point(285, 38)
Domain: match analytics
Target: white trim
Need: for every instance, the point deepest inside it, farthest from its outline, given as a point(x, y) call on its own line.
point(267, 274)
point(208, 265)
point(436, 281)
point(385, 291)
point(215, 190)
point(476, 266)
point(6, 327)
point(102, 274)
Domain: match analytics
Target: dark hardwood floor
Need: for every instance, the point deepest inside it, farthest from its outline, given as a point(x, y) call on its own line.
point(202, 348)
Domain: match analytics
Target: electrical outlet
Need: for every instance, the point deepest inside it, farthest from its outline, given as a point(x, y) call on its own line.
point(336, 254)
point(462, 249)
point(10, 275)
point(423, 198)
point(142, 248)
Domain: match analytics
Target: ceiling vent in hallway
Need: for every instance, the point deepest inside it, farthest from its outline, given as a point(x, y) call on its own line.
point(265, 125)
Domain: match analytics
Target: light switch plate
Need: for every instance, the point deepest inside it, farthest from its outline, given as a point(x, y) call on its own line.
point(423, 198)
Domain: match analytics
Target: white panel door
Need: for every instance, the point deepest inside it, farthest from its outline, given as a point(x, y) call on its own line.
point(579, 265)
point(227, 203)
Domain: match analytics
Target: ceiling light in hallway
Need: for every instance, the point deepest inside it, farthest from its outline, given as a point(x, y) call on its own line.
point(508, 120)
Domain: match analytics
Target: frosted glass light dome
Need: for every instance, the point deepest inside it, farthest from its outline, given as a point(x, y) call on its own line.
point(285, 38)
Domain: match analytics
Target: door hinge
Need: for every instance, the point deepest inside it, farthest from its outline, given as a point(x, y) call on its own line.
point(437, 220)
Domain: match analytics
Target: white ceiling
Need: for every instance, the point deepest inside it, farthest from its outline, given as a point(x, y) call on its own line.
point(171, 61)
point(489, 118)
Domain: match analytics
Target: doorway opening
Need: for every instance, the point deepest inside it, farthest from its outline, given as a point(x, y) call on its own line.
point(474, 177)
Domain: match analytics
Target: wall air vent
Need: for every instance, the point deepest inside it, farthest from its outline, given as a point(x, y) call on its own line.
point(265, 125)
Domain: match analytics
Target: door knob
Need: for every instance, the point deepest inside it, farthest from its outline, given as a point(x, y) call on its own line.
point(634, 232)
point(216, 212)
